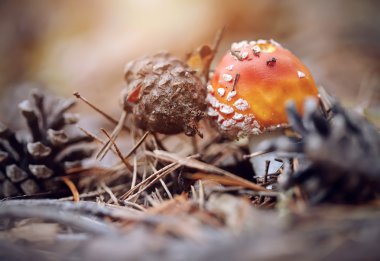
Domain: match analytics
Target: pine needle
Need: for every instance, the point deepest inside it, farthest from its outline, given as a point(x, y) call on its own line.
point(103, 151)
point(126, 163)
point(72, 188)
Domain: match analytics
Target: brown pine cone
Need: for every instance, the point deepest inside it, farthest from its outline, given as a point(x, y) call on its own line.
point(32, 164)
point(164, 95)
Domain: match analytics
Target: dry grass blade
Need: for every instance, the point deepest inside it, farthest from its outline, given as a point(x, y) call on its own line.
point(166, 189)
point(192, 163)
point(224, 180)
point(134, 176)
point(110, 193)
point(134, 205)
point(201, 195)
point(194, 193)
point(91, 171)
point(95, 193)
point(255, 154)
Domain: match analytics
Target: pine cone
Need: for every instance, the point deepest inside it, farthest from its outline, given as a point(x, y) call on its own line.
point(164, 95)
point(32, 163)
point(343, 155)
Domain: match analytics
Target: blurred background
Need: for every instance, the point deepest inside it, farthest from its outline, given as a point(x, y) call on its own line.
point(71, 45)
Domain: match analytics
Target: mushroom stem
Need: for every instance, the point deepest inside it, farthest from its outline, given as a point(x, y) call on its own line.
point(259, 162)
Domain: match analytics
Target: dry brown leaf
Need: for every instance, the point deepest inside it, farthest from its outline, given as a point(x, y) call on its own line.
point(200, 59)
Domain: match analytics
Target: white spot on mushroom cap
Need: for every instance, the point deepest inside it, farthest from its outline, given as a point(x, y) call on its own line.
point(238, 45)
point(220, 118)
point(256, 49)
point(244, 55)
point(238, 116)
point(248, 119)
point(224, 108)
point(241, 104)
point(230, 95)
point(210, 89)
point(301, 74)
point(213, 101)
point(228, 123)
point(227, 77)
point(221, 91)
point(211, 112)
point(230, 67)
point(240, 125)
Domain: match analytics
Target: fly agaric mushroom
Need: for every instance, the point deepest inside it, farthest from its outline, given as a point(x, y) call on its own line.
point(250, 88)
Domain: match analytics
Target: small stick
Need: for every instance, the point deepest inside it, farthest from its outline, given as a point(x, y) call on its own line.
point(215, 47)
point(86, 224)
point(89, 208)
point(267, 163)
point(237, 55)
point(237, 76)
point(217, 39)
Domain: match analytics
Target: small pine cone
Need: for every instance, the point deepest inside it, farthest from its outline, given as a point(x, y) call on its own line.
point(342, 156)
point(31, 164)
point(164, 95)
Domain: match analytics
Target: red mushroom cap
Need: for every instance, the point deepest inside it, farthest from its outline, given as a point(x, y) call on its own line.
point(252, 84)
